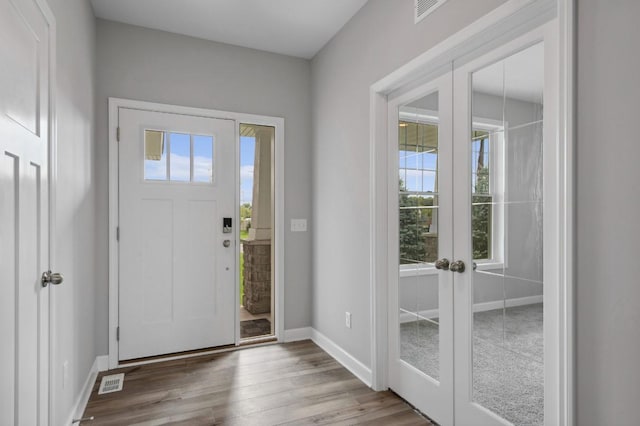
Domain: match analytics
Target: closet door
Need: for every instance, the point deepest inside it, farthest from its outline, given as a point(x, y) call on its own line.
point(504, 186)
point(420, 285)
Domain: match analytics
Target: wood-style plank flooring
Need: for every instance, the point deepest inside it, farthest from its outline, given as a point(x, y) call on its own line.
point(295, 384)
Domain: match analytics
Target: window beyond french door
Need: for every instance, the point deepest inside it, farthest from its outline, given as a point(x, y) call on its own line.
point(467, 322)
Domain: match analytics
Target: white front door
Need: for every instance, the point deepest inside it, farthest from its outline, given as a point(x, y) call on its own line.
point(24, 213)
point(473, 300)
point(177, 214)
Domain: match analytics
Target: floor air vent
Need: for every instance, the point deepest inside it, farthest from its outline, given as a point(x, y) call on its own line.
point(425, 7)
point(111, 383)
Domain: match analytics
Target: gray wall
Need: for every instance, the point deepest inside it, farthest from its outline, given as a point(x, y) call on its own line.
point(149, 65)
point(608, 202)
point(380, 38)
point(74, 327)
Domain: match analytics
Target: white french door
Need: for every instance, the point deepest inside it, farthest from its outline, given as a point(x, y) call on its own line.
point(421, 296)
point(24, 214)
point(177, 178)
point(473, 305)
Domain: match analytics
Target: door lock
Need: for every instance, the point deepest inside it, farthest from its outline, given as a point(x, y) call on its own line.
point(226, 243)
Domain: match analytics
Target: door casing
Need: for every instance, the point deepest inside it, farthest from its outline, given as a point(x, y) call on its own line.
point(278, 167)
point(505, 23)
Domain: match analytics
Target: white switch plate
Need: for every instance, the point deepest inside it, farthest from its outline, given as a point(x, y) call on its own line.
point(298, 225)
point(347, 319)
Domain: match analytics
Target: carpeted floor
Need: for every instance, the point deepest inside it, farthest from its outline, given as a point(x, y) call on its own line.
point(255, 328)
point(507, 360)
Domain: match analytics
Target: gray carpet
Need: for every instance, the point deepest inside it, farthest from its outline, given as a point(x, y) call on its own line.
point(507, 360)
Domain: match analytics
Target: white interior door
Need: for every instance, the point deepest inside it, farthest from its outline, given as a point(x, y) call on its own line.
point(420, 212)
point(24, 213)
point(177, 179)
point(505, 178)
point(473, 306)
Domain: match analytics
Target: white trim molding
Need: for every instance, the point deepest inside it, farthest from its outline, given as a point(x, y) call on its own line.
point(347, 360)
point(505, 23)
point(297, 334)
point(240, 118)
point(100, 364)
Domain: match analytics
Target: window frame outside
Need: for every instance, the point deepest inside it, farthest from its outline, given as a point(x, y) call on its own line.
point(497, 184)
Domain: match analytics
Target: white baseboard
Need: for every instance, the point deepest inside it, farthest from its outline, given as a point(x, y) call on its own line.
point(358, 369)
point(101, 363)
point(478, 307)
point(296, 334)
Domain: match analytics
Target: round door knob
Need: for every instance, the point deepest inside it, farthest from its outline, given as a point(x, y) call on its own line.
point(457, 266)
point(226, 243)
point(49, 277)
point(442, 264)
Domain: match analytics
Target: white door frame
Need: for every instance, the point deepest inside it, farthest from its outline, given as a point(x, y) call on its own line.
point(278, 167)
point(512, 19)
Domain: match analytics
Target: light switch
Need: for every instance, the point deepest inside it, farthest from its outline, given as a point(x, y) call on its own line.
point(298, 225)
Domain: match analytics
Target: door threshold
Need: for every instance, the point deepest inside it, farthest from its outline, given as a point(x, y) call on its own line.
point(176, 356)
point(252, 341)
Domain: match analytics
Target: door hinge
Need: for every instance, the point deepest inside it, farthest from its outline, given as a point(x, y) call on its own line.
point(118, 133)
point(118, 233)
point(118, 333)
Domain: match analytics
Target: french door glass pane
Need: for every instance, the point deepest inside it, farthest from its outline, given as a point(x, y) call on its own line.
point(506, 196)
point(418, 234)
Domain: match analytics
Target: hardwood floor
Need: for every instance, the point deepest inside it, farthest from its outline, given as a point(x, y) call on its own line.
point(295, 384)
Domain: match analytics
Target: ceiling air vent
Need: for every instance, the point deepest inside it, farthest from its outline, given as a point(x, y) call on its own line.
point(425, 7)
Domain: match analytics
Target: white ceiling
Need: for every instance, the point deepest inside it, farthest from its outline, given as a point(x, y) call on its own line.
point(290, 27)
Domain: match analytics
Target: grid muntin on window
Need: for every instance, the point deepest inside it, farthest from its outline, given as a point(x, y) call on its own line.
point(418, 186)
point(190, 157)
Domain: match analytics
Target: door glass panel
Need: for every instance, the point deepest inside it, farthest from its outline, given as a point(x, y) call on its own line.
point(418, 234)
point(203, 159)
point(180, 160)
point(155, 155)
point(506, 189)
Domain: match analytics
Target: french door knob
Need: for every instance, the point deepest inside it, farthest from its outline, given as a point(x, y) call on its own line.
point(457, 266)
point(442, 264)
point(49, 277)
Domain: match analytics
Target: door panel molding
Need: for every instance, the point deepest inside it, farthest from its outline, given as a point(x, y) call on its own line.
point(115, 104)
point(507, 22)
